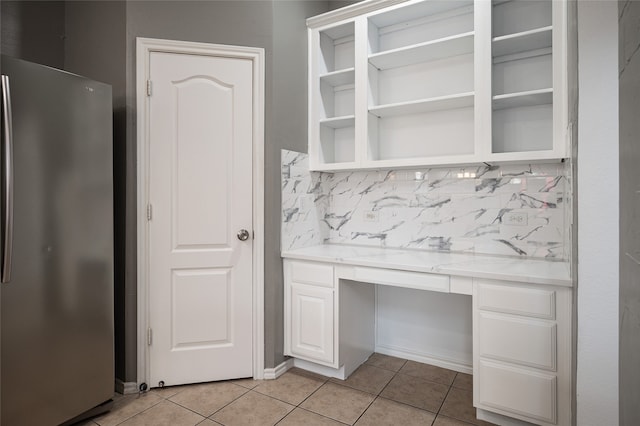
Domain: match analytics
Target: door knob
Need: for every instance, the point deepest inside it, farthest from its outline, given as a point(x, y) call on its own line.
point(243, 235)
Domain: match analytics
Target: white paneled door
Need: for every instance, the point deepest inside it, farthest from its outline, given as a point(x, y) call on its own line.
point(200, 196)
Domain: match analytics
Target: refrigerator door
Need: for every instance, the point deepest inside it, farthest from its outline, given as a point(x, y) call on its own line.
point(57, 309)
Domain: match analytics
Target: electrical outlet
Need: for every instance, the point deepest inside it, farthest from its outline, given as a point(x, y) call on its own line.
point(515, 219)
point(371, 216)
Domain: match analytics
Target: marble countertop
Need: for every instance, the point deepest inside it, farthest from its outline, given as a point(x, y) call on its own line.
point(526, 270)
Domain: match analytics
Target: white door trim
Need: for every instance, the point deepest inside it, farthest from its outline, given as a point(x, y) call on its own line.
point(144, 47)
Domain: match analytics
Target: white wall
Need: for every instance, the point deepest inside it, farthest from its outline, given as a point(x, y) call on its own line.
point(597, 203)
point(629, 38)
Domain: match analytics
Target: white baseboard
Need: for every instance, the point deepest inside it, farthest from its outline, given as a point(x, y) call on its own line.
point(320, 369)
point(126, 388)
point(450, 364)
point(279, 370)
point(499, 419)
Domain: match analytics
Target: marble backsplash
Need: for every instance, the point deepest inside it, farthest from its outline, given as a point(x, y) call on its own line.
point(505, 210)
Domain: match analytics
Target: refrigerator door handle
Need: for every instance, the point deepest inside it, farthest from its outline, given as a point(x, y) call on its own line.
point(7, 201)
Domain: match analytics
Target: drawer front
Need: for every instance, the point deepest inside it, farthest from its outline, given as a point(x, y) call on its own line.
point(416, 280)
point(531, 302)
point(311, 273)
point(523, 341)
point(518, 391)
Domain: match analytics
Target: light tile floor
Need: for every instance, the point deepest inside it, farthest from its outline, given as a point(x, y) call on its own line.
point(383, 391)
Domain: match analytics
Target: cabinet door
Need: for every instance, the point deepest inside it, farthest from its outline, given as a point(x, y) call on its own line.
point(312, 323)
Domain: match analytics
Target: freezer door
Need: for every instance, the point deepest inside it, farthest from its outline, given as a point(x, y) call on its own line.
point(57, 309)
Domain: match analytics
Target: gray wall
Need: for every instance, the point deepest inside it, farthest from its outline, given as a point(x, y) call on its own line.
point(629, 68)
point(95, 46)
point(279, 28)
point(86, 38)
point(34, 31)
point(246, 23)
point(572, 64)
point(101, 44)
point(335, 4)
point(289, 131)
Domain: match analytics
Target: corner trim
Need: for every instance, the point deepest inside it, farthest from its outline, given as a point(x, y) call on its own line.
point(279, 370)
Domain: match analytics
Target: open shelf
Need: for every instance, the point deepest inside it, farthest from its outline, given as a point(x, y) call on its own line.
point(426, 134)
point(459, 44)
point(518, 16)
point(339, 122)
point(339, 78)
point(434, 9)
point(336, 48)
point(441, 103)
point(522, 74)
point(523, 99)
point(526, 128)
point(539, 38)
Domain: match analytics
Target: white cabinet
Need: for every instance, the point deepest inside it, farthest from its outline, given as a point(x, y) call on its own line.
point(328, 321)
point(522, 351)
point(437, 82)
point(312, 322)
point(521, 333)
point(309, 311)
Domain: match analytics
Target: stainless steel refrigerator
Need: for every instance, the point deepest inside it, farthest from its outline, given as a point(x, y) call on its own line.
point(56, 245)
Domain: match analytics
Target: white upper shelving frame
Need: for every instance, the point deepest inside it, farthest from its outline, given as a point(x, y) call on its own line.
point(376, 117)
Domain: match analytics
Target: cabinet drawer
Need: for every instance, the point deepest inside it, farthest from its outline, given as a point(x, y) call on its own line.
point(516, 300)
point(523, 341)
point(518, 391)
point(311, 273)
point(417, 280)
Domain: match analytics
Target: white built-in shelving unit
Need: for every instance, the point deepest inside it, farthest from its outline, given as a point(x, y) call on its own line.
point(437, 82)
point(420, 88)
point(526, 78)
point(333, 62)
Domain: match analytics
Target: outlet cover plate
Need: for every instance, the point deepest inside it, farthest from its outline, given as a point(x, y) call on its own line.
point(515, 219)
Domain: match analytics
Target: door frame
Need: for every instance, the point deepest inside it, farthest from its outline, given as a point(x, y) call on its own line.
point(144, 47)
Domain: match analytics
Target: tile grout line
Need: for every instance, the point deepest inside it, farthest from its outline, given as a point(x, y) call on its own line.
point(229, 403)
point(409, 405)
point(205, 416)
point(309, 396)
point(324, 382)
point(376, 396)
point(312, 393)
point(139, 412)
point(445, 397)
